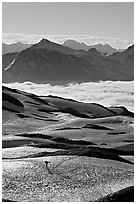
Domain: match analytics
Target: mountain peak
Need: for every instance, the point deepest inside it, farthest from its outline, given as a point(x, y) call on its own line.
point(44, 40)
point(73, 44)
point(44, 43)
point(94, 51)
point(80, 45)
point(131, 47)
point(49, 45)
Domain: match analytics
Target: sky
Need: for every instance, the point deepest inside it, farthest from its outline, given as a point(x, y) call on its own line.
point(89, 22)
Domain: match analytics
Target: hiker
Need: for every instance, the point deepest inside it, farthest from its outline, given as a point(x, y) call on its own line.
point(46, 163)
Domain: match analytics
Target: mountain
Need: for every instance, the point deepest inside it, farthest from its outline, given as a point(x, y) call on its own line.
point(104, 48)
point(76, 45)
point(99, 47)
point(7, 59)
point(125, 55)
point(47, 61)
point(15, 47)
point(51, 62)
point(126, 58)
point(46, 44)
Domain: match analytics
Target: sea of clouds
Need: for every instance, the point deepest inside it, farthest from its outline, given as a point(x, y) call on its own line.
point(107, 93)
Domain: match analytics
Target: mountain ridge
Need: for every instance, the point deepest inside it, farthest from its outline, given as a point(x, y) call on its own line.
point(70, 43)
point(14, 47)
point(101, 48)
point(49, 61)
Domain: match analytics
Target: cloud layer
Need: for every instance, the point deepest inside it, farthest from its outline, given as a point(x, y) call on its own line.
point(106, 93)
point(9, 38)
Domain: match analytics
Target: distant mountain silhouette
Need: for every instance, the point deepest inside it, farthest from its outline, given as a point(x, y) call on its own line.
point(15, 47)
point(47, 61)
point(76, 45)
point(104, 48)
point(99, 47)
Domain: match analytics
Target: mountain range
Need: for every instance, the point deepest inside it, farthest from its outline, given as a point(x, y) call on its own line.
point(15, 47)
point(99, 47)
point(47, 61)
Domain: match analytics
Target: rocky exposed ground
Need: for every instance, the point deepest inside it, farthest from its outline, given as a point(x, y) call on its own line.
point(56, 149)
